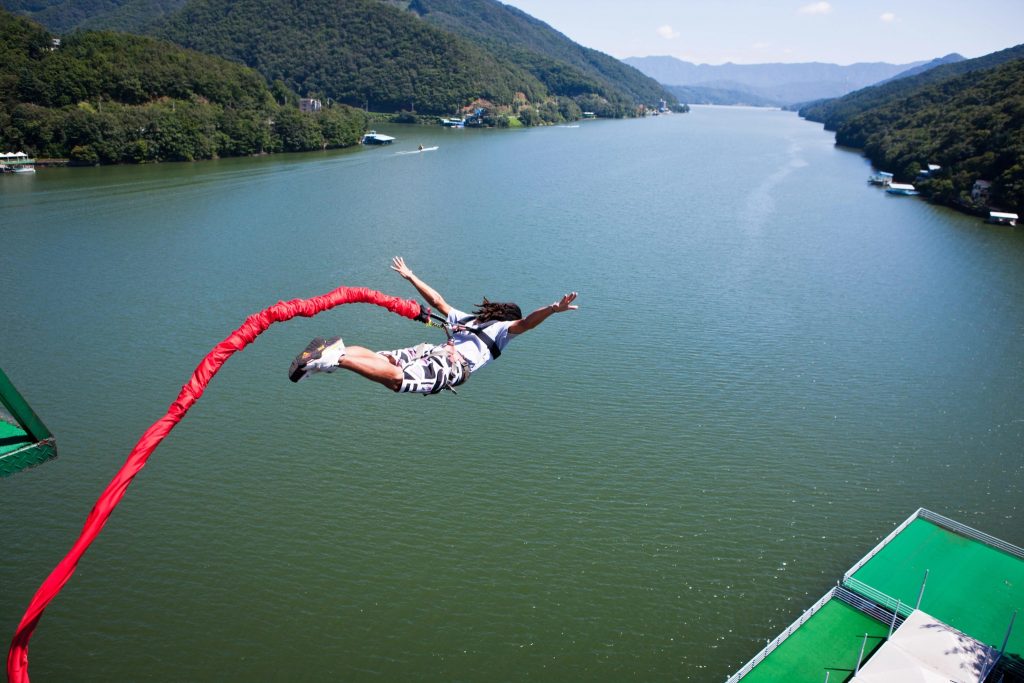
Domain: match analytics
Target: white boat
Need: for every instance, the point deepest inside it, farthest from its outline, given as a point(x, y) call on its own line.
point(375, 138)
point(901, 188)
point(1002, 218)
point(16, 162)
point(880, 178)
point(453, 123)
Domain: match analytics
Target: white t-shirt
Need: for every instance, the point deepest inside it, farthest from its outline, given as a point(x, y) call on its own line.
point(472, 347)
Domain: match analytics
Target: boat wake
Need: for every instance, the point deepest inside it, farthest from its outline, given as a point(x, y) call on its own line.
point(417, 151)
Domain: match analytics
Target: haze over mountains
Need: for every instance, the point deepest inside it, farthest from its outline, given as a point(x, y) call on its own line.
point(775, 84)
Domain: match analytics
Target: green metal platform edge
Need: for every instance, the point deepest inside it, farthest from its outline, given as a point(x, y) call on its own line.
point(29, 456)
point(39, 444)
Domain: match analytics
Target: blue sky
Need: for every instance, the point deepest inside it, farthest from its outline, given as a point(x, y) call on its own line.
point(752, 32)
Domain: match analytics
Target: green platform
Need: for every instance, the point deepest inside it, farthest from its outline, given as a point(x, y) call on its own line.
point(975, 583)
point(829, 642)
point(971, 585)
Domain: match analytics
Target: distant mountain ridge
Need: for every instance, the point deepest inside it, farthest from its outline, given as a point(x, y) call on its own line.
point(833, 113)
point(773, 83)
point(951, 58)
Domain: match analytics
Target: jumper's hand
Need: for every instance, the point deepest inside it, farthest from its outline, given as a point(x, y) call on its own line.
point(564, 303)
point(398, 265)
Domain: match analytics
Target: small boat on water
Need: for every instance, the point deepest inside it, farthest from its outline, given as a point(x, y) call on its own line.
point(453, 123)
point(375, 138)
point(420, 150)
point(880, 178)
point(16, 162)
point(901, 188)
point(1002, 218)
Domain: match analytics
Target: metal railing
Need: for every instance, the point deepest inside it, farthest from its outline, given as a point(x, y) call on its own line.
point(889, 603)
point(875, 608)
point(964, 530)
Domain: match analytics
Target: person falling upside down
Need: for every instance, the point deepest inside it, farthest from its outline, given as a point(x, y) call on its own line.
point(476, 339)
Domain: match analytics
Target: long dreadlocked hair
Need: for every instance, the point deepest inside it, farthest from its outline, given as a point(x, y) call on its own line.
point(493, 310)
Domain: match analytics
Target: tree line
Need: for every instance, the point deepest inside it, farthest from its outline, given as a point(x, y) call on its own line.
point(103, 97)
point(972, 126)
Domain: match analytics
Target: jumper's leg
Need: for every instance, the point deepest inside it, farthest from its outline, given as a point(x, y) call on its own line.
point(372, 366)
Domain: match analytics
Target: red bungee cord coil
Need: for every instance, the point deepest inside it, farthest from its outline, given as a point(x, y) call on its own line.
point(254, 325)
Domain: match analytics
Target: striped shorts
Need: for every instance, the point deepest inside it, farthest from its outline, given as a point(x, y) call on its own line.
point(428, 369)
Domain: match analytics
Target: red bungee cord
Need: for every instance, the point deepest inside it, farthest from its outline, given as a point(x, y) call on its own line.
point(254, 325)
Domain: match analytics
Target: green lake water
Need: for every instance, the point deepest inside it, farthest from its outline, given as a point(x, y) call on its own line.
point(773, 364)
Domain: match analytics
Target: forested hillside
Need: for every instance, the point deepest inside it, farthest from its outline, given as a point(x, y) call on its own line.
point(697, 94)
point(63, 16)
point(434, 56)
point(105, 97)
point(833, 113)
point(564, 67)
point(971, 125)
point(361, 52)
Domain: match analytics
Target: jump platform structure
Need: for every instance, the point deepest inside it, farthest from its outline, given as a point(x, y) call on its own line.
point(934, 601)
point(24, 439)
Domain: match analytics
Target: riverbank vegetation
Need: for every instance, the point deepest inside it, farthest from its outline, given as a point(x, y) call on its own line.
point(967, 118)
point(102, 97)
point(427, 57)
point(971, 126)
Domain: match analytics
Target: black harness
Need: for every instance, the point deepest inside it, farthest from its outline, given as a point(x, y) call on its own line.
point(429, 318)
point(491, 345)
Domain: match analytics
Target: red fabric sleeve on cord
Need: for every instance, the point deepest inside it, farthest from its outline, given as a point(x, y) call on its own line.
point(254, 325)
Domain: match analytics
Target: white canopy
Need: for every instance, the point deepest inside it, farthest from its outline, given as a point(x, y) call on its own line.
point(925, 650)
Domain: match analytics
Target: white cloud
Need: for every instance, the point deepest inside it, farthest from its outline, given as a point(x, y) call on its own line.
point(888, 17)
point(761, 45)
point(667, 32)
point(816, 8)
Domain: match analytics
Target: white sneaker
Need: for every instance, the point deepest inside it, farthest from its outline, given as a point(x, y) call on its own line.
point(320, 355)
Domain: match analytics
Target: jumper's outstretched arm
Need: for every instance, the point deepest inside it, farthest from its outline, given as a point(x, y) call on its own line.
point(428, 292)
point(541, 314)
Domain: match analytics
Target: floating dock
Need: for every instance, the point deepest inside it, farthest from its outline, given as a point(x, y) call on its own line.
point(948, 582)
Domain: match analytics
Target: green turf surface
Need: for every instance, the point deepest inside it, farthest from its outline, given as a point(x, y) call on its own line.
point(971, 586)
point(829, 641)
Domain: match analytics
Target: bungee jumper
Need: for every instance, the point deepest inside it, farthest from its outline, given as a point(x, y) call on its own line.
point(416, 360)
point(474, 340)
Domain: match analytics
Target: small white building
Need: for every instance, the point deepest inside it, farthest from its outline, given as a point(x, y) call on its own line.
point(979, 193)
point(310, 105)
